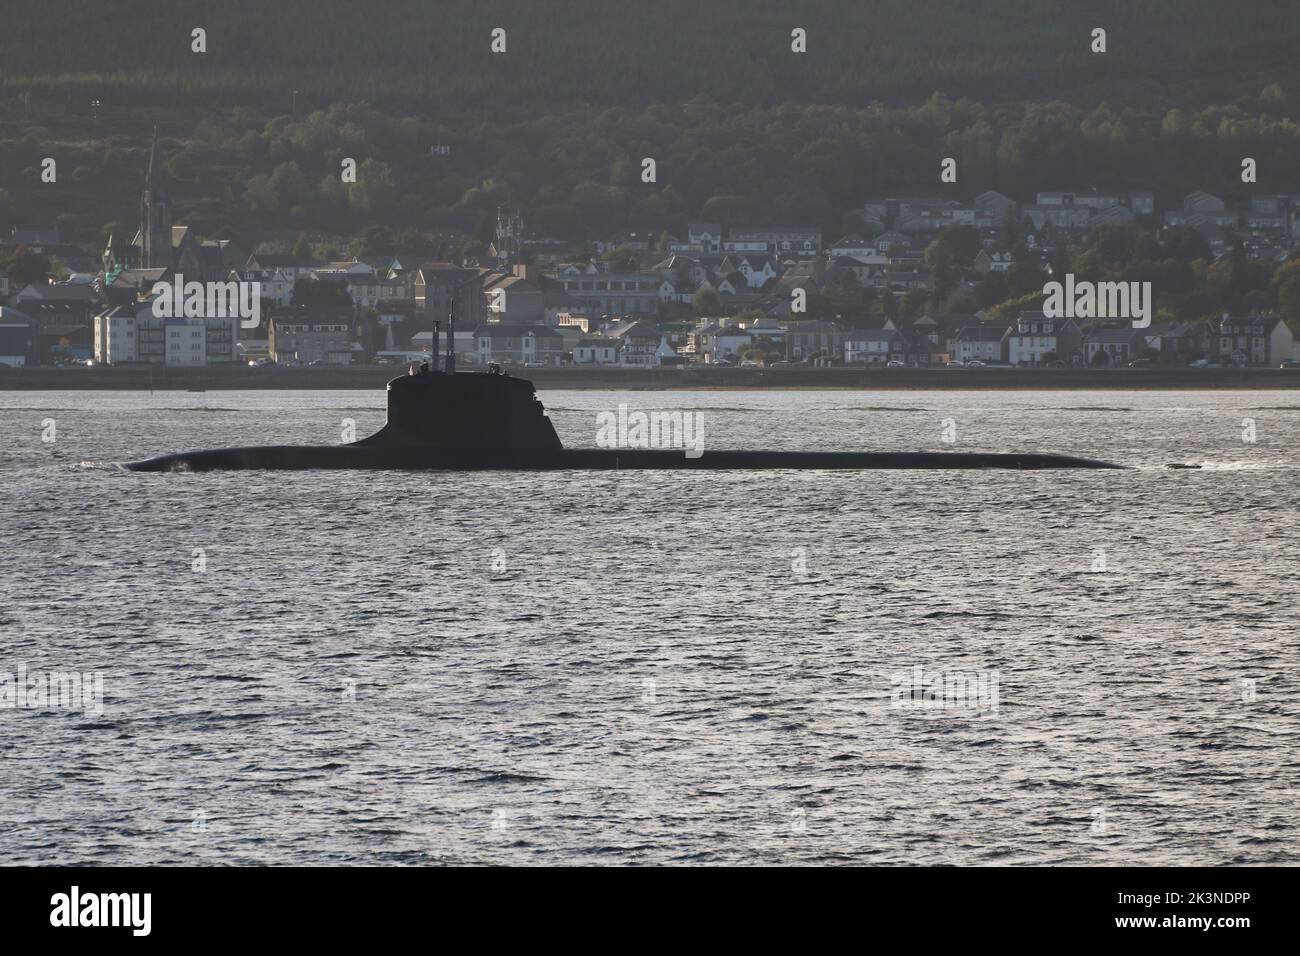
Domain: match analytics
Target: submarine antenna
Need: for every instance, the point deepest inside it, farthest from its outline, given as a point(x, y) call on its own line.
point(449, 366)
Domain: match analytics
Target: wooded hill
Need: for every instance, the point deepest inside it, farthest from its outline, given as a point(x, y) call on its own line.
point(403, 53)
point(742, 129)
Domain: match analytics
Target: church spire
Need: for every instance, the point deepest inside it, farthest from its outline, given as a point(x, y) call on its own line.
point(153, 179)
point(155, 214)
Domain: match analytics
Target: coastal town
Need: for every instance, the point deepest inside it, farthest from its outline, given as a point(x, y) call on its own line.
point(926, 282)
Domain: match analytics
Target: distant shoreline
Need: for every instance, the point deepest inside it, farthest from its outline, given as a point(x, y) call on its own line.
point(243, 377)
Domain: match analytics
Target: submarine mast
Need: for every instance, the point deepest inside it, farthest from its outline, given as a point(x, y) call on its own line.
point(449, 365)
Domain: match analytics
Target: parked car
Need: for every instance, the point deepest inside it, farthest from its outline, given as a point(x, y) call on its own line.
point(955, 364)
point(1141, 363)
point(895, 363)
point(975, 363)
point(1199, 363)
point(1290, 363)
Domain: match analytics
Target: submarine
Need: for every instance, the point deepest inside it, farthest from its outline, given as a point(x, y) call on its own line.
point(490, 420)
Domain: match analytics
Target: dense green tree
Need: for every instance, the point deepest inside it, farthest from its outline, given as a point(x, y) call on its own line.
point(943, 274)
point(1005, 312)
point(1185, 244)
point(707, 302)
point(1286, 289)
point(959, 243)
point(621, 259)
point(321, 292)
point(729, 210)
point(992, 289)
point(24, 267)
point(373, 241)
point(1025, 277)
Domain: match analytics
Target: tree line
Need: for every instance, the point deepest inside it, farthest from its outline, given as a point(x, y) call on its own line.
point(414, 54)
point(578, 174)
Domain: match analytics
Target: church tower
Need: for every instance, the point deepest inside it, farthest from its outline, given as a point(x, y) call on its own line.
point(155, 215)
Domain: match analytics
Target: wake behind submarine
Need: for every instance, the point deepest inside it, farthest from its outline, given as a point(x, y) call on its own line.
point(470, 421)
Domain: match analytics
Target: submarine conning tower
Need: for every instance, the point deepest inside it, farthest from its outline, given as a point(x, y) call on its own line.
point(465, 410)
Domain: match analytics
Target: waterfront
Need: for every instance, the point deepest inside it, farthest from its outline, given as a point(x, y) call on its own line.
point(163, 379)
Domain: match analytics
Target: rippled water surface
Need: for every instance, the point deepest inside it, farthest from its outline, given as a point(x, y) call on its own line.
point(646, 667)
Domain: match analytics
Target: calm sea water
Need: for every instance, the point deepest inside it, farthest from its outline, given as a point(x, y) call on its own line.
point(658, 667)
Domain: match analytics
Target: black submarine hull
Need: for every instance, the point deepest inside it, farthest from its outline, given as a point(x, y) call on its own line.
point(476, 421)
point(397, 458)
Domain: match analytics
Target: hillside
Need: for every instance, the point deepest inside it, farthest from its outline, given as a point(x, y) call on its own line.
point(741, 128)
point(408, 52)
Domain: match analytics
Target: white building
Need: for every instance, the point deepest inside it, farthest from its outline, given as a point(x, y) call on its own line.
point(982, 343)
point(854, 247)
point(757, 269)
point(597, 351)
point(781, 239)
point(1036, 339)
point(275, 285)
point(115, 335)
point(186, 342)
point(134, 334)
point(758, 246)
point(706, 235)
point(868, 346)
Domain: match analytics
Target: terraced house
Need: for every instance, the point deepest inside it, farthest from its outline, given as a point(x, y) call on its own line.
point(612, 293)
point(1036, 339)
point(981, 343)
point(515, 344)
point(875, 346)
point(311, 335)
point(1113, 347)
point(597, 351)
point(1255, 340)
point(806, 339)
